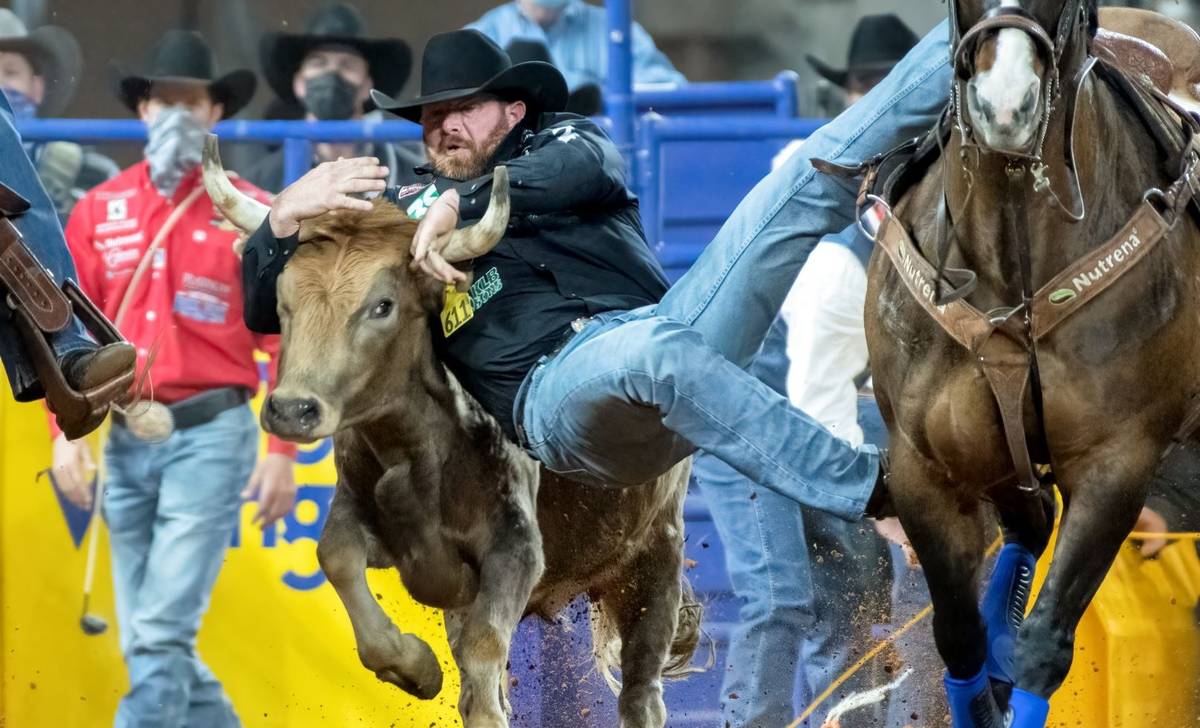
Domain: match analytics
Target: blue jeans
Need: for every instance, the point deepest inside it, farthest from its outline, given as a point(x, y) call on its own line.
point(636, 391)
point(171, 509)
point(43, 234)
point(811, 586)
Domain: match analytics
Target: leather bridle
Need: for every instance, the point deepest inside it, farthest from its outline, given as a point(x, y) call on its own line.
point(1001, 17)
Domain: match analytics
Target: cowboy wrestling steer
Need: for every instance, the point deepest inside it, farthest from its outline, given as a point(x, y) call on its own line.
point(428, 483)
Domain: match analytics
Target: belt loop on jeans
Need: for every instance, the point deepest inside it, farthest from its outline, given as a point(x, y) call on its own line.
point(523, 391)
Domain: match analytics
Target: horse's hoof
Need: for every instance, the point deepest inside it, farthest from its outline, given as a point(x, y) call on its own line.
point(972, 704)
point(1028, 710)
point(1004, 608)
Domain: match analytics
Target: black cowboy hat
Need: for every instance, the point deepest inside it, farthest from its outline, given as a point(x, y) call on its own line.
point(339, 25)
point(462, 63)
point(586, 100)
point(878, 44)
point(182, 56)
point(54, 54)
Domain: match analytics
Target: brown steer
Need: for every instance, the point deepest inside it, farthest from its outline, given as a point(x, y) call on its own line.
point(428, 483)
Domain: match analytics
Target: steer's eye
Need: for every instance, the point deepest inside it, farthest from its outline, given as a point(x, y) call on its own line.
point(382, 309)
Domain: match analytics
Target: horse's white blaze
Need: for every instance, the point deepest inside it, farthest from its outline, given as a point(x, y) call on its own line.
point(1009, 92)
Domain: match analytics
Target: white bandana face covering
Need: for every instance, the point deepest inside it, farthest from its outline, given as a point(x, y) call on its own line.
point(174, 146)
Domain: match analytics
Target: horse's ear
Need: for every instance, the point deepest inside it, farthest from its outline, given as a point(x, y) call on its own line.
point(1093, 18)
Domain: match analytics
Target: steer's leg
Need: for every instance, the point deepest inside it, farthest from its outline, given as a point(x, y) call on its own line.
point(947, 528)
point(645, 606)
point(344, 552)
point(512, 566)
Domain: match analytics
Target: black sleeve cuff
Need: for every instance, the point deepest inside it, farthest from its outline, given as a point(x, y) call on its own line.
point(473, 196)
point(262, 261)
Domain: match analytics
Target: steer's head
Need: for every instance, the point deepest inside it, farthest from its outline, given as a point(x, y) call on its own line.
point(355, 316)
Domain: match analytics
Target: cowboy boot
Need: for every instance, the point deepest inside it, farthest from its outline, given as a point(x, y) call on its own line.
point(98, 372)
point(92, 368)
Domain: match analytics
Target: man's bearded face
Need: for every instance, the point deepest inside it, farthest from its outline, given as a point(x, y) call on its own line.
point(462, 136)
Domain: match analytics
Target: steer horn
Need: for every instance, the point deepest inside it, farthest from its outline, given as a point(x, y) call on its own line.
point(472, 242)
point(245, 212)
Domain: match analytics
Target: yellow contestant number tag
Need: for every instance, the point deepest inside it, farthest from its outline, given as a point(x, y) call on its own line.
point(456, 311)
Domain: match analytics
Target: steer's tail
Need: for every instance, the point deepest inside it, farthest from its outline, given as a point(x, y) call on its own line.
point(606, 640)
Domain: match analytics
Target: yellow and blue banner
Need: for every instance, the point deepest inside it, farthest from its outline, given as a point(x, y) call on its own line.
point(276, 634)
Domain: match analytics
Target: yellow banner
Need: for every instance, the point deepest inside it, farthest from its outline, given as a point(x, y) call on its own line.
point(276, 634)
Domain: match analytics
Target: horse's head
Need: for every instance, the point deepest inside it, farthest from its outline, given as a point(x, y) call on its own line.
point(1008, 59)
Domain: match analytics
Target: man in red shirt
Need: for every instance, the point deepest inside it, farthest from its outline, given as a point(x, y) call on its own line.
point(159, 260)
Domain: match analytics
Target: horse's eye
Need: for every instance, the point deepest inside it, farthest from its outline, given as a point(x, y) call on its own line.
point(382, 309)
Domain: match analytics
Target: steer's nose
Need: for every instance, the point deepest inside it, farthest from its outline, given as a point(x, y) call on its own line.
point(291, 416)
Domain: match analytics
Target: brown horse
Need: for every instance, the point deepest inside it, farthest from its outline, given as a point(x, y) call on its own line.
point(1046, 157)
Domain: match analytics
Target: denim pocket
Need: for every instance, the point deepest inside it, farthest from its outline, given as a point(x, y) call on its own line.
point(534, 437)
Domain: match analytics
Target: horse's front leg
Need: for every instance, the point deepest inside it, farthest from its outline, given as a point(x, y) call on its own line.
point(345, 551)
point(947, 528)
point(512, 565)
point(1106, 495)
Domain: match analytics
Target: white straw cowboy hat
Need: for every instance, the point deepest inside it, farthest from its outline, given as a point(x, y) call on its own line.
point(54, 54)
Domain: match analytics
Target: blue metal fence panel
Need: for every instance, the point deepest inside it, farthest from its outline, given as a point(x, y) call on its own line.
point(85, 131)
point(694, 172)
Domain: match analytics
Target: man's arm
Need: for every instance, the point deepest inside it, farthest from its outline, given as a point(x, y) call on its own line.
point(262, 262)
point(328, 186)
point(570, 166)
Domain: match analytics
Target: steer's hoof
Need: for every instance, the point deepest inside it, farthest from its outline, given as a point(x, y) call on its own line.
point(406, 662)
point(1028, 710)
point(1004, 608)
point(972, 704)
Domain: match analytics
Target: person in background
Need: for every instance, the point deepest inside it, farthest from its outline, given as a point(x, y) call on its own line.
point(877, 43)
point(812, 586)
point(83, 364)
point(329, 71)
point(585, 100)
point(39, 72)
point(159, 260)
point(577, 36)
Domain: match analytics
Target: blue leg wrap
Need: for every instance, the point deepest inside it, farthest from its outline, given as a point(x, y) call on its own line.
point(971, 702)
point(1028, 710)
point(1004, 608)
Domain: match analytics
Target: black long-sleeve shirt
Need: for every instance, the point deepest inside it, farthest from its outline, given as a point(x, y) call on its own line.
point(574, 248)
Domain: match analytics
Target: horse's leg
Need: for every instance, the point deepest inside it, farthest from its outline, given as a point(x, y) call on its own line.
point(645, 604)
point(344, 552)
point(1028, 520)
point(511, 567)
point(947, 529)
point(1107, 494)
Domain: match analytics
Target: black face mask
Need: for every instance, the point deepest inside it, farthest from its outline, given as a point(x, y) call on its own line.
point(330, 97)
